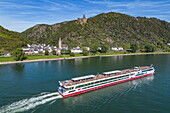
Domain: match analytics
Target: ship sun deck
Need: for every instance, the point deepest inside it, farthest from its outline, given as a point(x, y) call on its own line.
point(88, 78)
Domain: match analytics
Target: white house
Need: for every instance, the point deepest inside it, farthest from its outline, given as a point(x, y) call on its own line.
point(99, 48)
point(120, 48)
point(35, 52)
point(76, 51)
point(7, 55)
point(114, 48)
point(88, 48)
point(25, 48)
point(28, 45)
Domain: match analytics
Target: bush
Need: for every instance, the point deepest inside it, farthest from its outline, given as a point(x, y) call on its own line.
point(134, 48)
point(2, 51)
point(72, 54)
point(63, 51)
point(104, 49)
point(53, 52)
point(93, 50)
point(85, 52)
point(149, 48)
point(46, 52)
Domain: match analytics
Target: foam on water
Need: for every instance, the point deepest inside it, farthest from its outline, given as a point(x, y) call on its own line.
point(26, 104)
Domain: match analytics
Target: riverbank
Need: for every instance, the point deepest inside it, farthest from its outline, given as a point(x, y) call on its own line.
point(64, 58)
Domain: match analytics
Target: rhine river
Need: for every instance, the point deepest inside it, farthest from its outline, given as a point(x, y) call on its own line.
point(32, 87)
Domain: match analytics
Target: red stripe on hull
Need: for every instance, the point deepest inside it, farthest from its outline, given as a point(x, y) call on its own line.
point(103, 86)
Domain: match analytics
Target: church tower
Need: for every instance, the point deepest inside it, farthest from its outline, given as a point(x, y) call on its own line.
point(60, 44)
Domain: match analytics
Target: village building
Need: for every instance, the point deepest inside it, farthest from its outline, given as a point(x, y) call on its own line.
point(99, 48)
point(114, 48)
point(37, 49)
point(120, 48)
point(117, 48)
point(76, 50)
point(88, 48)
point(168, 44)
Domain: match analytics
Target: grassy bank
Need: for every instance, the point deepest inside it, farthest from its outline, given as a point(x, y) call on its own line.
point(35, 57)
point(6, 59)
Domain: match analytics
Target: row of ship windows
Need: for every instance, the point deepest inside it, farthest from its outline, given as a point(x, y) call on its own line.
point(140, 74)
point(147, 70)
point(99, 81)
point(95, 82)
point(102, 83)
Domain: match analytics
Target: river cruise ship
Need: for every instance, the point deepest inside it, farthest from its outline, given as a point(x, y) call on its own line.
point(91, 82)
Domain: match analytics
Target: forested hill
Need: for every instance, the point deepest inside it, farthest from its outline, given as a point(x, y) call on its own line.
point(112, 29)
point(10, 40)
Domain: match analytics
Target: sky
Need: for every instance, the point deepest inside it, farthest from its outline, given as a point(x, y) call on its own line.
point(19, 15)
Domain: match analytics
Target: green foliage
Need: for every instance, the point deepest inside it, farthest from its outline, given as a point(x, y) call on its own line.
point(18, 54)
point(104, 49)
point(40, 52)
point(10, 40)
point(2, 51)
point(134, 48)
point(63, 51)
point(46, 52)
point(94, 49)
point(149, 48)
point(72, 54)
point(53, 52)
point(85, 52)
point(112, 29)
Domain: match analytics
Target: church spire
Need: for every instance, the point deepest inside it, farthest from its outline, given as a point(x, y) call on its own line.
point(60, 44)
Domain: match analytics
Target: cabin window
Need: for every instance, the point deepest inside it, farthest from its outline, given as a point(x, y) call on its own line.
point(147, 70)
point(71, 91)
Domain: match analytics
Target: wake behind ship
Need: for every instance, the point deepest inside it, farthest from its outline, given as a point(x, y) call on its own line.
point(91, 82)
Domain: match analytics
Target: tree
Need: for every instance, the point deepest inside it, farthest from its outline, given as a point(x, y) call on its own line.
point(53, 52)
point(46, 52)
point(93, 49)
point(104, 49)
point(2, 51)
point(85, 52)
point(134, 47)
point(149, 48)
point(18, 54)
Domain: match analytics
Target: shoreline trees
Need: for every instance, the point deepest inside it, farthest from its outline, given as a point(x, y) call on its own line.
point(18, 54)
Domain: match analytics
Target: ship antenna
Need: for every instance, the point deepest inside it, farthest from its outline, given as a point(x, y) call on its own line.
point(151, 65)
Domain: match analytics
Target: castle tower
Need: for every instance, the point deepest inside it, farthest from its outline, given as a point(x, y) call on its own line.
point(59, 43)
point(82, 20)
point(84, 16)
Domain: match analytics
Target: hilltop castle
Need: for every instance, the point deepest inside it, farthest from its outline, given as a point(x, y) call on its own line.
point(82, 20)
